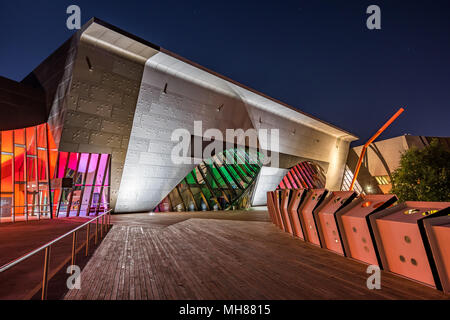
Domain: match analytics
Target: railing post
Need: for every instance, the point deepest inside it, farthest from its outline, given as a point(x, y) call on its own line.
point(101, 227)
point(45, 273)
point(87, 239)
point(96, 231)
point(74, 245)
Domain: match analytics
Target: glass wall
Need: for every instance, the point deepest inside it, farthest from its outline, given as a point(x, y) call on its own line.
point(305, 175)
point(222, 182)
point(39, 182)
point(81, 185)
point(24, 184)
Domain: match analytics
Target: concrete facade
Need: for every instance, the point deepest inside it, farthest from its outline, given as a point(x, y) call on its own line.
point(118, 94)
point(269, 178)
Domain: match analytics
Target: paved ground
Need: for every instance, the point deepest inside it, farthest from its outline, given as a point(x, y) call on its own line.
point(224, 255)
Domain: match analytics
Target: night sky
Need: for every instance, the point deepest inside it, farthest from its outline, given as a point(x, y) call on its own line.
point(317, 56)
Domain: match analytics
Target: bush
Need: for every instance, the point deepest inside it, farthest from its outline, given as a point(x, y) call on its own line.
point(424, 174)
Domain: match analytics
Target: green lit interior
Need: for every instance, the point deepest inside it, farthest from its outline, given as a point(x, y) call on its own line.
point(222, 182)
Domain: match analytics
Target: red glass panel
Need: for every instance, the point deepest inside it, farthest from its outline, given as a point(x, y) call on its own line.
point(286, 182)
point(41, 136)
point(52, 162)
point(63, 156)
point(31, 140)
point(292, 181)
point(19, 164)
point(7, 177)
point(31, 169)
point(42, 165)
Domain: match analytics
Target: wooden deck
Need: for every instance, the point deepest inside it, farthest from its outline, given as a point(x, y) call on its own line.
point(224, 255)
point(24, 280)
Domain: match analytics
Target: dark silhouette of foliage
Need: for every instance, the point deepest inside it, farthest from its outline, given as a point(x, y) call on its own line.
point(424, 174)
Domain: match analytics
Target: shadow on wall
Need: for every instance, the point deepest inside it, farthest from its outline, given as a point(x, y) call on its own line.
point(21, 106)
point(365, 179)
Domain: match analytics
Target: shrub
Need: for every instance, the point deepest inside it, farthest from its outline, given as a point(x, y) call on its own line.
point(424, 174)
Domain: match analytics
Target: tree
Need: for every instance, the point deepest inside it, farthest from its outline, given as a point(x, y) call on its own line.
point(424, 174)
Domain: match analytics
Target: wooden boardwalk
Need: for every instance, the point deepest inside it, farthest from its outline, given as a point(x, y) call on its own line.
point(24, 280)
point(224, 255)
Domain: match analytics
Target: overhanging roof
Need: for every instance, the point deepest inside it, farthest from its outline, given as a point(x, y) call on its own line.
point(101, 33)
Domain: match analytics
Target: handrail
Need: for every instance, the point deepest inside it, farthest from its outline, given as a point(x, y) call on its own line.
point(47, 246)
point(32, 253)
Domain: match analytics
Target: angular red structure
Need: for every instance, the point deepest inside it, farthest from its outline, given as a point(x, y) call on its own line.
point(305, 211)
point(403, 248)
point(284, 210)
point(437, 230)
point(276, 195)
point(271, 208)
point(330, 237)
point(356, 232)
point(296, 198)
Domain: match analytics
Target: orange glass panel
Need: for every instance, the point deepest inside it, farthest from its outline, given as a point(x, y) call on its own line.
point(19, 198)
point(51, 140)
point(19, 136)
point(7, 141)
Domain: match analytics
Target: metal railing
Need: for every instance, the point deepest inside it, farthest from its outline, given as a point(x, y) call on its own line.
point(104, 225)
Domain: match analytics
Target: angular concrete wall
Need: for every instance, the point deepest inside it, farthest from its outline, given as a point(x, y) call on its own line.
point(54, 76)
point(149, 173)
point(268, 179)
point(101, 107)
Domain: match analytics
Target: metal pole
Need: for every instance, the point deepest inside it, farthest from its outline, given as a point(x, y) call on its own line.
point(96, 231)
point(101, 227)
point(74, 245)
point(87, 239)
point(45, 275)
point(387, 124)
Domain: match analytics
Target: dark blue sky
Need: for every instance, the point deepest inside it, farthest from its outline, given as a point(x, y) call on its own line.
point(316, 55)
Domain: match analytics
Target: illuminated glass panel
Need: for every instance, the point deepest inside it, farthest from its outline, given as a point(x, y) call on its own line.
point(19, 136)
point(222, 182)
point(304, 175)
point(347, 181)
point(35, 177)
